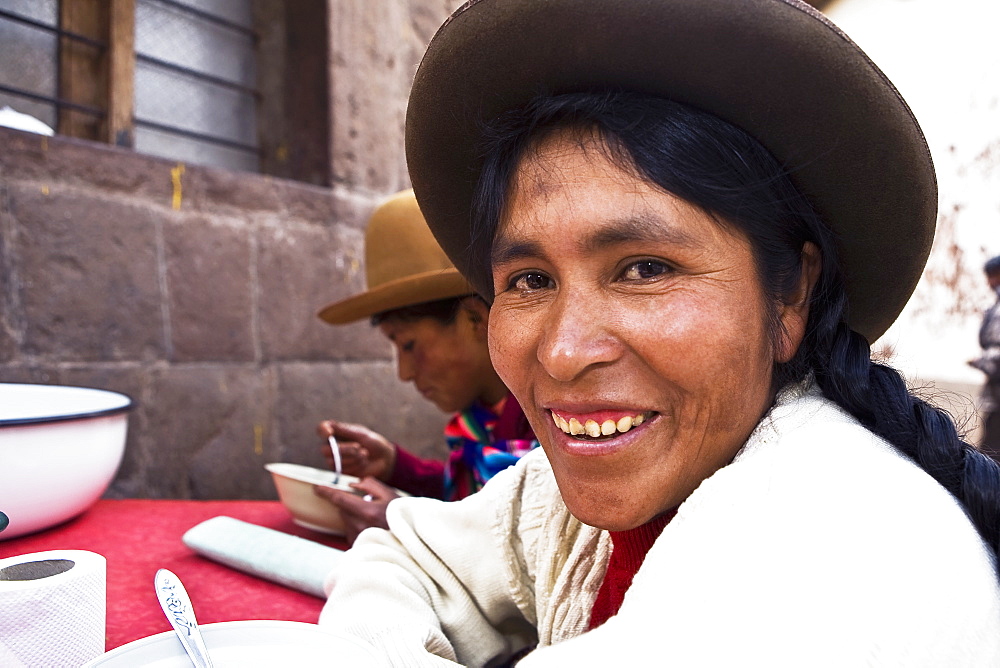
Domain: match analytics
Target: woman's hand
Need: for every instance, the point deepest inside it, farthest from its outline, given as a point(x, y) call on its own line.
point(363, 452)
point(357, 512)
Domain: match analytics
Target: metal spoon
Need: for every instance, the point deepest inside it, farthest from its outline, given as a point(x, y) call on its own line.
point(177, 607)
point(335, 449)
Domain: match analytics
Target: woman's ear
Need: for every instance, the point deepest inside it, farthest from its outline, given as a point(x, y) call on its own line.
point(794, 311)
point(478, 313)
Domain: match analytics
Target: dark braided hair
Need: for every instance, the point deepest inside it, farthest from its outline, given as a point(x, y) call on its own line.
point(730, 175)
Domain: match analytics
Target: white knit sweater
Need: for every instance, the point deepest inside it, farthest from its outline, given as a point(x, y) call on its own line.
point(820, 545)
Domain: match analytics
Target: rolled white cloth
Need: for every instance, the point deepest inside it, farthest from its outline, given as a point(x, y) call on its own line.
point(272, 555)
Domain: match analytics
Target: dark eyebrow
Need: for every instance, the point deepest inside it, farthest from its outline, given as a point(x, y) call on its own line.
point(508, 251)
point(647, 228)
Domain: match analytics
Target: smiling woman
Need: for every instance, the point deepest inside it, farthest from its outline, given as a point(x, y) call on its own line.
point(680, 210)
point(611, 273)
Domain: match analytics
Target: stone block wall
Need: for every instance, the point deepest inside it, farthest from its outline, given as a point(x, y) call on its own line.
point(194, 290)
point(195, 294)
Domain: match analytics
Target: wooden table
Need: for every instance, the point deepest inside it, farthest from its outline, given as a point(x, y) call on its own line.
point(139, 536)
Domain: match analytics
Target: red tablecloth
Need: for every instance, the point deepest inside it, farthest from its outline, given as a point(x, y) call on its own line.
point(139, 536)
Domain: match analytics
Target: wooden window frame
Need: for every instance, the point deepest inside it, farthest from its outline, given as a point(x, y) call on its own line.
point(96, 81)
point(94, 77)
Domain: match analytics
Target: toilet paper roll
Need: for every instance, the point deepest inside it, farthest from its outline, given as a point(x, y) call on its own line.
point(272, 555)
point(52, 608)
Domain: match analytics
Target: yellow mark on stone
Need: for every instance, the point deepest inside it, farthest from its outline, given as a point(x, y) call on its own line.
point(175, 179)
point(45, 190)
point(258, 439)
point(45, 143)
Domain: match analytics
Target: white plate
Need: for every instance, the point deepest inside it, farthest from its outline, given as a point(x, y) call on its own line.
point(243, 643)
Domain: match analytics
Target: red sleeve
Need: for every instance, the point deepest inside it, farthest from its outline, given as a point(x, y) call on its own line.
point(420, 477)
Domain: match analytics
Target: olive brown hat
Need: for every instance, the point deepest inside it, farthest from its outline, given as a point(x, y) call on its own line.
point(404, 265)
point(778, 69)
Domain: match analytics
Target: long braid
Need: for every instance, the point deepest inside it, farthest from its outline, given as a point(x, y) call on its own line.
point(877, 396)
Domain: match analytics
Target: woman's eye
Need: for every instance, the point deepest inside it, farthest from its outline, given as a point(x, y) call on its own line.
point(531, 281)
point(644, 270)
point(408, 346)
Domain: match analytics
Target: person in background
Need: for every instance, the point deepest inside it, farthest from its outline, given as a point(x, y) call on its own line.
point(438, 328)
point(680, 212)
point(989, 364)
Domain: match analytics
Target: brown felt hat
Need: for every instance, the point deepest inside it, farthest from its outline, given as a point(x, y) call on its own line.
point(778, 69)
point(404, 265)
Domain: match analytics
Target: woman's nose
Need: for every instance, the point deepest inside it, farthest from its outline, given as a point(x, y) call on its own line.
point(575, 339)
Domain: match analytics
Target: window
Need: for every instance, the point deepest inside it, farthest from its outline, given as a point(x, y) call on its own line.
point(178, 79)
point(195, 75)
point(30, 66)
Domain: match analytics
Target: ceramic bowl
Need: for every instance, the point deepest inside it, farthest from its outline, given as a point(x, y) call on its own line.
point(295, 482)
point(60, 447)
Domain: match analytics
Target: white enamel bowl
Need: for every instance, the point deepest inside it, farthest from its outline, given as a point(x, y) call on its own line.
point(295, 483)
point(60, 447)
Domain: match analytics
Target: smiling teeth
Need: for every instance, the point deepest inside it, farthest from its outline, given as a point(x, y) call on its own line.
point(594, 429)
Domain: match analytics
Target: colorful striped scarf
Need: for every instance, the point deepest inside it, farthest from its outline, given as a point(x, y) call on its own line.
point(475, 457)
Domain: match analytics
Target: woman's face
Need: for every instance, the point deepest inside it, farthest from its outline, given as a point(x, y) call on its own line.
point(626, 312)
point(448, 363)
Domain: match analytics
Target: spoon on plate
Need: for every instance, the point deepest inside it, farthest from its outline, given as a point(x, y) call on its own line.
point(177, 607)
